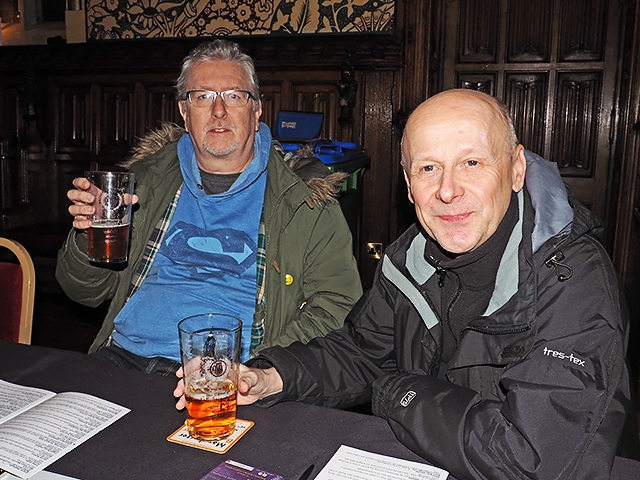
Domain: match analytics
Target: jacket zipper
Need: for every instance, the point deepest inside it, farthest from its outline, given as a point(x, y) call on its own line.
point(509, 331)
point(438, 352)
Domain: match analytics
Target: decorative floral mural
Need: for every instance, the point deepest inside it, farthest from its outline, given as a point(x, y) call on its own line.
point(118, 19)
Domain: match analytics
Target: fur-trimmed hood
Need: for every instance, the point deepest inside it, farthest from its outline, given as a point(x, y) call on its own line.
point(324, 185)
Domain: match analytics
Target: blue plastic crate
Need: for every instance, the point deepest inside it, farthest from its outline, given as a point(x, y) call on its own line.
point(297, 125)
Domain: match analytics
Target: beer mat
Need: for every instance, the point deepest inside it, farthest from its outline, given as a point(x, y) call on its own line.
point(232, 470)
point(181, 435)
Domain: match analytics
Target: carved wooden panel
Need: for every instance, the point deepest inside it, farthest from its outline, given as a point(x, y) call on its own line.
point(321, 98)
point(526, 98)
point(574, 142)
point(73, 119)
point(482, 82)
point(382, 181)
point(583, 29)
point(8, 175)
point(158, 105)
point(479, 26)
point(302, 92)
point(11, 119)
point(116, 120)
point(626, 234)
point(548, 65)
point(528, 31)
point(9, 154)
point(271, 96)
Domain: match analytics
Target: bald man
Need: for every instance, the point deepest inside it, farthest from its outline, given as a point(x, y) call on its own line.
point(493, 339)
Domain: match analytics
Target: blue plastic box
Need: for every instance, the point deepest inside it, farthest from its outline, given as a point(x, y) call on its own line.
point(297, 125)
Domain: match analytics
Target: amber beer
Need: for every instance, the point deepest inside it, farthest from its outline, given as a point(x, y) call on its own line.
point(211, 415)
point(108, 235)
point(108, 242)
point(210, 352)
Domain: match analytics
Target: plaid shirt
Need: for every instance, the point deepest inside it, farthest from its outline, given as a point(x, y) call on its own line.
point(153, 245)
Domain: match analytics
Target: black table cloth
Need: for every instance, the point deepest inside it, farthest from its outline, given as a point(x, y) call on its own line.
point(285, 439)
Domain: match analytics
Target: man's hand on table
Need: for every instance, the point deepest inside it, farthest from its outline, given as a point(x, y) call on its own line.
point(253, 384)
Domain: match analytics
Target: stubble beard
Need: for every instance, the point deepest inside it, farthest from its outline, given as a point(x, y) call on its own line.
point(217, 150)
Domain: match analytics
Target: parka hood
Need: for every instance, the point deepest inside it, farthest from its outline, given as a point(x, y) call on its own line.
point(557, 212)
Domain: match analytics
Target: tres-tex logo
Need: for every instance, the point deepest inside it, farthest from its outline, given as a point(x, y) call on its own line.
point(563, 356)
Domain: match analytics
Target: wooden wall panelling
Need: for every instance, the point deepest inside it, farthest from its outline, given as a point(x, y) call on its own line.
point(75, 137)
point(529, 31)
point(115, 121)
point(296, 90)
point(583, 29)
point(22, 153)
point(321, 98)
point(626, 244)
point(418, 52)
point(555, 69)
point(272, 100)
point(73, 117)
point(574, 142)
point(485, 82)
point(9, 148)
point(156, 101)
point(381, 181)
point(478, 40)
point(526, 93)
point(421, 25)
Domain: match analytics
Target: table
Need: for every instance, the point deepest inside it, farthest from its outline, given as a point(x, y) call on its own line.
point(285, 439)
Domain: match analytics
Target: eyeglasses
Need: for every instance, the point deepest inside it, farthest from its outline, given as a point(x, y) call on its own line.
point(231, 98)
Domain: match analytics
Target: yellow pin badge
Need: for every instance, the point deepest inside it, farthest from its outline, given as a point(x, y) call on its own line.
point(288, 279)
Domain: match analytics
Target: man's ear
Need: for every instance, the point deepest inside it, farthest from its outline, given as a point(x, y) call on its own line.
point(519, 169)
point(406, 179)
point(182, 106)
point(258, 114)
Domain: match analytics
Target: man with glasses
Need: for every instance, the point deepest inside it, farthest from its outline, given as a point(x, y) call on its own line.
point(222, 225)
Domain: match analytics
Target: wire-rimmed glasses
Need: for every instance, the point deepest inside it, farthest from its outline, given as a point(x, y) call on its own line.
point(231, 98)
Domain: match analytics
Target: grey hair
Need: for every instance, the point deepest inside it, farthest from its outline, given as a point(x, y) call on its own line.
point(218, 50)
point(512, 138)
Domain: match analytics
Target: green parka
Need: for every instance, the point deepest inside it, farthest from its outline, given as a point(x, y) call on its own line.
point(311, 279)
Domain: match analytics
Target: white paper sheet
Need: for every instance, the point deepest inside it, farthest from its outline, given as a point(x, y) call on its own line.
point(350, 463)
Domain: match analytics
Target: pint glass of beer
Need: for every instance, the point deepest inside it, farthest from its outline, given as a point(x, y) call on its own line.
point(108, 236)
point(210, 351)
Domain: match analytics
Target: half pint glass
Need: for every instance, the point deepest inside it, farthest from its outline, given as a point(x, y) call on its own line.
point(108, 236)
point(210, 351)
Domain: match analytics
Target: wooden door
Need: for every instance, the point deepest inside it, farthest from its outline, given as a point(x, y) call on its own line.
point(553, 63)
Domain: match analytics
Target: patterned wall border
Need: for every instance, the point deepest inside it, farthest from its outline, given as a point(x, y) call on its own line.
point(127, 19)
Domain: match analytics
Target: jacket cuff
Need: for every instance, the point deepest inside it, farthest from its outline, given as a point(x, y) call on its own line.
point(381, 393)
point(81, 240)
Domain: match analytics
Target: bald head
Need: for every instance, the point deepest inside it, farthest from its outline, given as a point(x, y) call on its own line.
point(461, 102)
point(461, 163)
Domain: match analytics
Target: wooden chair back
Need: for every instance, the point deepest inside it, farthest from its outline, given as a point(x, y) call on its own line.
point(17, 294)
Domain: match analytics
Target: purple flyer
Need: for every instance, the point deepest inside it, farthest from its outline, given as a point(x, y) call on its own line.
point(232, 470)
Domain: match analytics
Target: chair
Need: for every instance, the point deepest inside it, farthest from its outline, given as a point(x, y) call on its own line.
point(17, 293)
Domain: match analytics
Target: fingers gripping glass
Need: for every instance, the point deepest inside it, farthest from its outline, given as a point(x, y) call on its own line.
point(231, 98)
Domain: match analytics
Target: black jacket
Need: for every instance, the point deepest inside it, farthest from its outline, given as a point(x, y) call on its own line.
point(538, 386)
